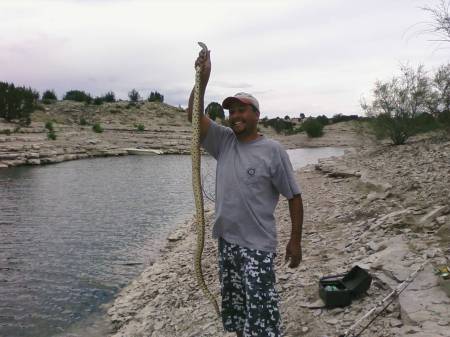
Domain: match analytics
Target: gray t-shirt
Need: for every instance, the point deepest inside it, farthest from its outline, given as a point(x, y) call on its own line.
point(249, 179)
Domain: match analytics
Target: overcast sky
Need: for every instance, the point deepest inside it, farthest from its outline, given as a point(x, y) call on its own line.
point(315, 57)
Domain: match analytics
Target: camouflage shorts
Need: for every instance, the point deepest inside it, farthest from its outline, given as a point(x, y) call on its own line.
point(249, 298)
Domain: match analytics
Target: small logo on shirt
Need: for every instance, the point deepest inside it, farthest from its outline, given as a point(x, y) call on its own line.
point(251, 171)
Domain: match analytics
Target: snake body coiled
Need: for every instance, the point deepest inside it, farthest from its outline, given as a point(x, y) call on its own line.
point(197, 187)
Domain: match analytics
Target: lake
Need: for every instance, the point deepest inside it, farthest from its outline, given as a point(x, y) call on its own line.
point(73, 234)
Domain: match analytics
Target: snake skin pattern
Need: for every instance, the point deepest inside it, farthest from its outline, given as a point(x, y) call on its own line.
point(197, 187)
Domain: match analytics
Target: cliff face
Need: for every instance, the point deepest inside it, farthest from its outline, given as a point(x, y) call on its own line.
point(164, 127)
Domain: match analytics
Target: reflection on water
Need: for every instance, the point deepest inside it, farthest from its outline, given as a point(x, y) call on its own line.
point(72, 234)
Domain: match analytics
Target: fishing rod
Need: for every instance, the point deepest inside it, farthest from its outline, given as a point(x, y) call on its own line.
point(383, 304)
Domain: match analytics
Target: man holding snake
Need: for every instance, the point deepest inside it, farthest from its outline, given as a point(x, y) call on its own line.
point(252, 171)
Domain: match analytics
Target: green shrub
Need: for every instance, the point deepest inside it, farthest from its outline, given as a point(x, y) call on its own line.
point(134, 96)
point(17, 102)
point(323, 120)
point(214, 110)
point(312, 127)
point(51, 135)
point(98, 101)
point(49, 95)
point(140, 127)
point(155, 97)
point(77, 96)
point(109, 97)
point(5, 132)
point(49, 126)
point(97, 128)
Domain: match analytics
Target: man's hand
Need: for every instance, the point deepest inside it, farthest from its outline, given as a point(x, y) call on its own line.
point(294, 253)
point(204, 61)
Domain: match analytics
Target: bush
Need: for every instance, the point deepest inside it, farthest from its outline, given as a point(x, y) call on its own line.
point(109, 97)
point(214, 110)
point(49, 126)
point(98, 101)
point(134, 96)
point(51, 135)
point(140, 127)
point(398, 103)
point(343, 118)
point(312, 127)
point(155, 97)
point(17, 102)
point(49, 95)
point(83, 121)
point(77, 96)
point(97, 128)
point(278, 124)
point(323, 120)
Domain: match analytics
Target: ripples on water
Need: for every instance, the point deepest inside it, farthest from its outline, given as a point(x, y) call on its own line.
point(74, 233)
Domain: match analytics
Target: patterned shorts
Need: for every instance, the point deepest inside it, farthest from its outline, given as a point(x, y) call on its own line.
point(249, 298)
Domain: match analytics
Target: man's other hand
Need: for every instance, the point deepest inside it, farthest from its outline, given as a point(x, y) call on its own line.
point(293, 253)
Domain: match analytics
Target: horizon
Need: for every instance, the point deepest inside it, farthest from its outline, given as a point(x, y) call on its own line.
point(316, 59)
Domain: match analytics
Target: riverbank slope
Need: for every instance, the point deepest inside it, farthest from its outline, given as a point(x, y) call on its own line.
point(384, 208)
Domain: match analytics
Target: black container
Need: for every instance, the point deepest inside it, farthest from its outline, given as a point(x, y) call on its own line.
point(357, 280)
point(334, 298)
point(349, 285)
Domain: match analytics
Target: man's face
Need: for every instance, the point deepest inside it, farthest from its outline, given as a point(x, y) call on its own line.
point(243, 120)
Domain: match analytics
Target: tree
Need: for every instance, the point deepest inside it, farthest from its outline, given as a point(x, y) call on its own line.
point(440, 24)
point(313, 127)
point(109, 97)
point(397, 104)
point(77, 96)
point(214, 110)
point(155, 97)
point(134, 96)
point(17, 102)
point(49, 95)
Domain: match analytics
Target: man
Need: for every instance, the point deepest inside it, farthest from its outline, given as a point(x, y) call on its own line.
point(251, 173)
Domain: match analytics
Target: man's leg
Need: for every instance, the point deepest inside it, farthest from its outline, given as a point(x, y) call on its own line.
point(263, 316)
point(232, 288)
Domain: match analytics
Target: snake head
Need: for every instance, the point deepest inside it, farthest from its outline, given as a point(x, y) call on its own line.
point(204, 47)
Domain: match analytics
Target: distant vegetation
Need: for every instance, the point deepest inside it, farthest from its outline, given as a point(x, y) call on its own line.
point(410, 103)
point(17, 103)
point(313, 126)
point(134, 96)
point(97, 128)
point(214, 110)
point(49, 97)
point(78, 96)
point(155, 97)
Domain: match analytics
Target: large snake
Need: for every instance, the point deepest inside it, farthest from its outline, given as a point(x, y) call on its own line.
point(197, 186)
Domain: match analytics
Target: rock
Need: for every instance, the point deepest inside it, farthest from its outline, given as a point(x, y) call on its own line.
point(436, 212)
point(305, 329)
point(444, 232)
point(441, 219)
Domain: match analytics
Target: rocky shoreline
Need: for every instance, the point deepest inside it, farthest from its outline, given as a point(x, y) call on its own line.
point(165, 128)
point(383, 208)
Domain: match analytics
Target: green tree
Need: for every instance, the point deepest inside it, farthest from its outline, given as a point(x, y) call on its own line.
point(155, 97)
point(214, 110)
point(134, 96)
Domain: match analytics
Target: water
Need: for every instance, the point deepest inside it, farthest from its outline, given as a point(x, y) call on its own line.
point(72, 234)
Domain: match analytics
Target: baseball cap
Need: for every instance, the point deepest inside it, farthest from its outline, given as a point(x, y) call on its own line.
point(242, 97)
